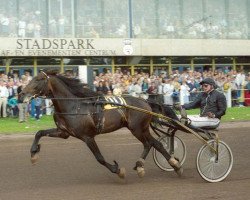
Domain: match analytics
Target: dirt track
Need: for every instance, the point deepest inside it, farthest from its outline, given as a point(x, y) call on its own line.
point(68, 170)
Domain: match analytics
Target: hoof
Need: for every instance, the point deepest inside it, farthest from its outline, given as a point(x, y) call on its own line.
point(140, 172)
point(179, 171)
point(174, 162)
point(176, 165)
point(34, 159)
point(122, 173)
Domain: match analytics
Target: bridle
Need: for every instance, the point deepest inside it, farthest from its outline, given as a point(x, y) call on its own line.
point(47, 79)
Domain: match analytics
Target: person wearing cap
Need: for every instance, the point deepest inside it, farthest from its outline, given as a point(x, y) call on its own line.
point(212, 104)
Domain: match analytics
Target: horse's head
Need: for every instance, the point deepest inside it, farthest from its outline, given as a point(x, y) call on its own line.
point(38, 86)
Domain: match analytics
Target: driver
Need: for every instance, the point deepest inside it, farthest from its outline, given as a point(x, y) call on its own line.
point(212, 104)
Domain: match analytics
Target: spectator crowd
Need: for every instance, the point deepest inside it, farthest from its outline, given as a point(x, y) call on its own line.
point(180, 87)
point(10, 106)
point(175, 87)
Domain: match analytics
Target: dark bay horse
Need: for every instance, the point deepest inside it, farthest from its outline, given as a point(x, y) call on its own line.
point(71, 97)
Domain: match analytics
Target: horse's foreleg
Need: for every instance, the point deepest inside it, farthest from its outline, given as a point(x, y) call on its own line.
point(35, 148)
point(95, 150)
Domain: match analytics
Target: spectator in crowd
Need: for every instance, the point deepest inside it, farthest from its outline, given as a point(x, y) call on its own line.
point(240, 81)
point(184, 97)
point(38, 106)
point(22, 28)
point(22, 106)
point(13, 105)
point(5, 22)
point(106, 87)
point(100, 88)
point(131, 88)
point(16, 77)
point(49, 106)
point(4, 94)
point(117, 90)
point(168, 89)
point(28, 75)
point(177, 87)
point(137, 88)
point(160, 90)
point(10, 86)
point(152, 91)
point(52, 27)
point(61, 25)
point(247, 92)
point(193, 88)
point(234, 91)
point(144, 85)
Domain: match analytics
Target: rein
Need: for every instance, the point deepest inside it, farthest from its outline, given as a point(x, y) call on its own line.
point(81, 100)
point(86, 100)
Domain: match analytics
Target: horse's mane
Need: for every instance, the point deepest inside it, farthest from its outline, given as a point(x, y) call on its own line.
point(77, 88)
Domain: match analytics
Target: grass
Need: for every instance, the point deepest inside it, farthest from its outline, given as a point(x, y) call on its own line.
point(232, 114)
point(12, 126)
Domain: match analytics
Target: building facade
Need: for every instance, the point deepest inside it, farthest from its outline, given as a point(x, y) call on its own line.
point(132, 35)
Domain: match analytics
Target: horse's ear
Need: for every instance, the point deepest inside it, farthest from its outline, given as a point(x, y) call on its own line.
point(51, 71)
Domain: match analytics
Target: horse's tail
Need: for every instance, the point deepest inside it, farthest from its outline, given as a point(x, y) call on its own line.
point(158, 124)
point(163, 109)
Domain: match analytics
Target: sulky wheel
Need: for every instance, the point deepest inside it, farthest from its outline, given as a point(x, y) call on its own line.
point(209, 167)
point(179, 152)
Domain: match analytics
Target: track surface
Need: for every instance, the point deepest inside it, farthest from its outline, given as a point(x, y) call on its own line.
point(67, 170)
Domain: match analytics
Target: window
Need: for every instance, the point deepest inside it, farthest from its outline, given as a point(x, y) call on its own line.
point(32, 17)
point(202, 60)
point(100, 60)
point(223, 60)
point(181, 60)
point(8, 10)
point(160, 60)
point(243, 59)
point(21, 61)
point(237, 19)
point(121, 60)
point(74, 61)
point(61, 18)
point(48, 61)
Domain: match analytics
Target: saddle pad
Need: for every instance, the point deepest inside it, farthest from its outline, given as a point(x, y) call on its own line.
point(114, 99)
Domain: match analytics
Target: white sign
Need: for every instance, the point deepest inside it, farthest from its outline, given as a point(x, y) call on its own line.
point(128, 49)
point(83, 73)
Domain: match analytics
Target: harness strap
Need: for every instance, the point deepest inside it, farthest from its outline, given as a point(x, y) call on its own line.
point(124, 118)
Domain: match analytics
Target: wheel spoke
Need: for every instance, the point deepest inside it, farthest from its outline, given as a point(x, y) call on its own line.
point(207, 166)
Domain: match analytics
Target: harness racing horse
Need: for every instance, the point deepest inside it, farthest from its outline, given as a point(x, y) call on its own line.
point(75, 115)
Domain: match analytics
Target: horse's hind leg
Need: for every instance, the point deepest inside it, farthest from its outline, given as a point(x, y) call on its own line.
point(139, 165)
point(149, 141)
point(95, 150)
point(35, 148)
point(171, 160)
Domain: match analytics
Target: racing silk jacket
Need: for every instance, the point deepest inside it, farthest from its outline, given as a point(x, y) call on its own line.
point(214, 102)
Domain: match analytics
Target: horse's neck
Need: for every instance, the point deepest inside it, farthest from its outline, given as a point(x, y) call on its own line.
point(62, 97)
point(59, 90)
